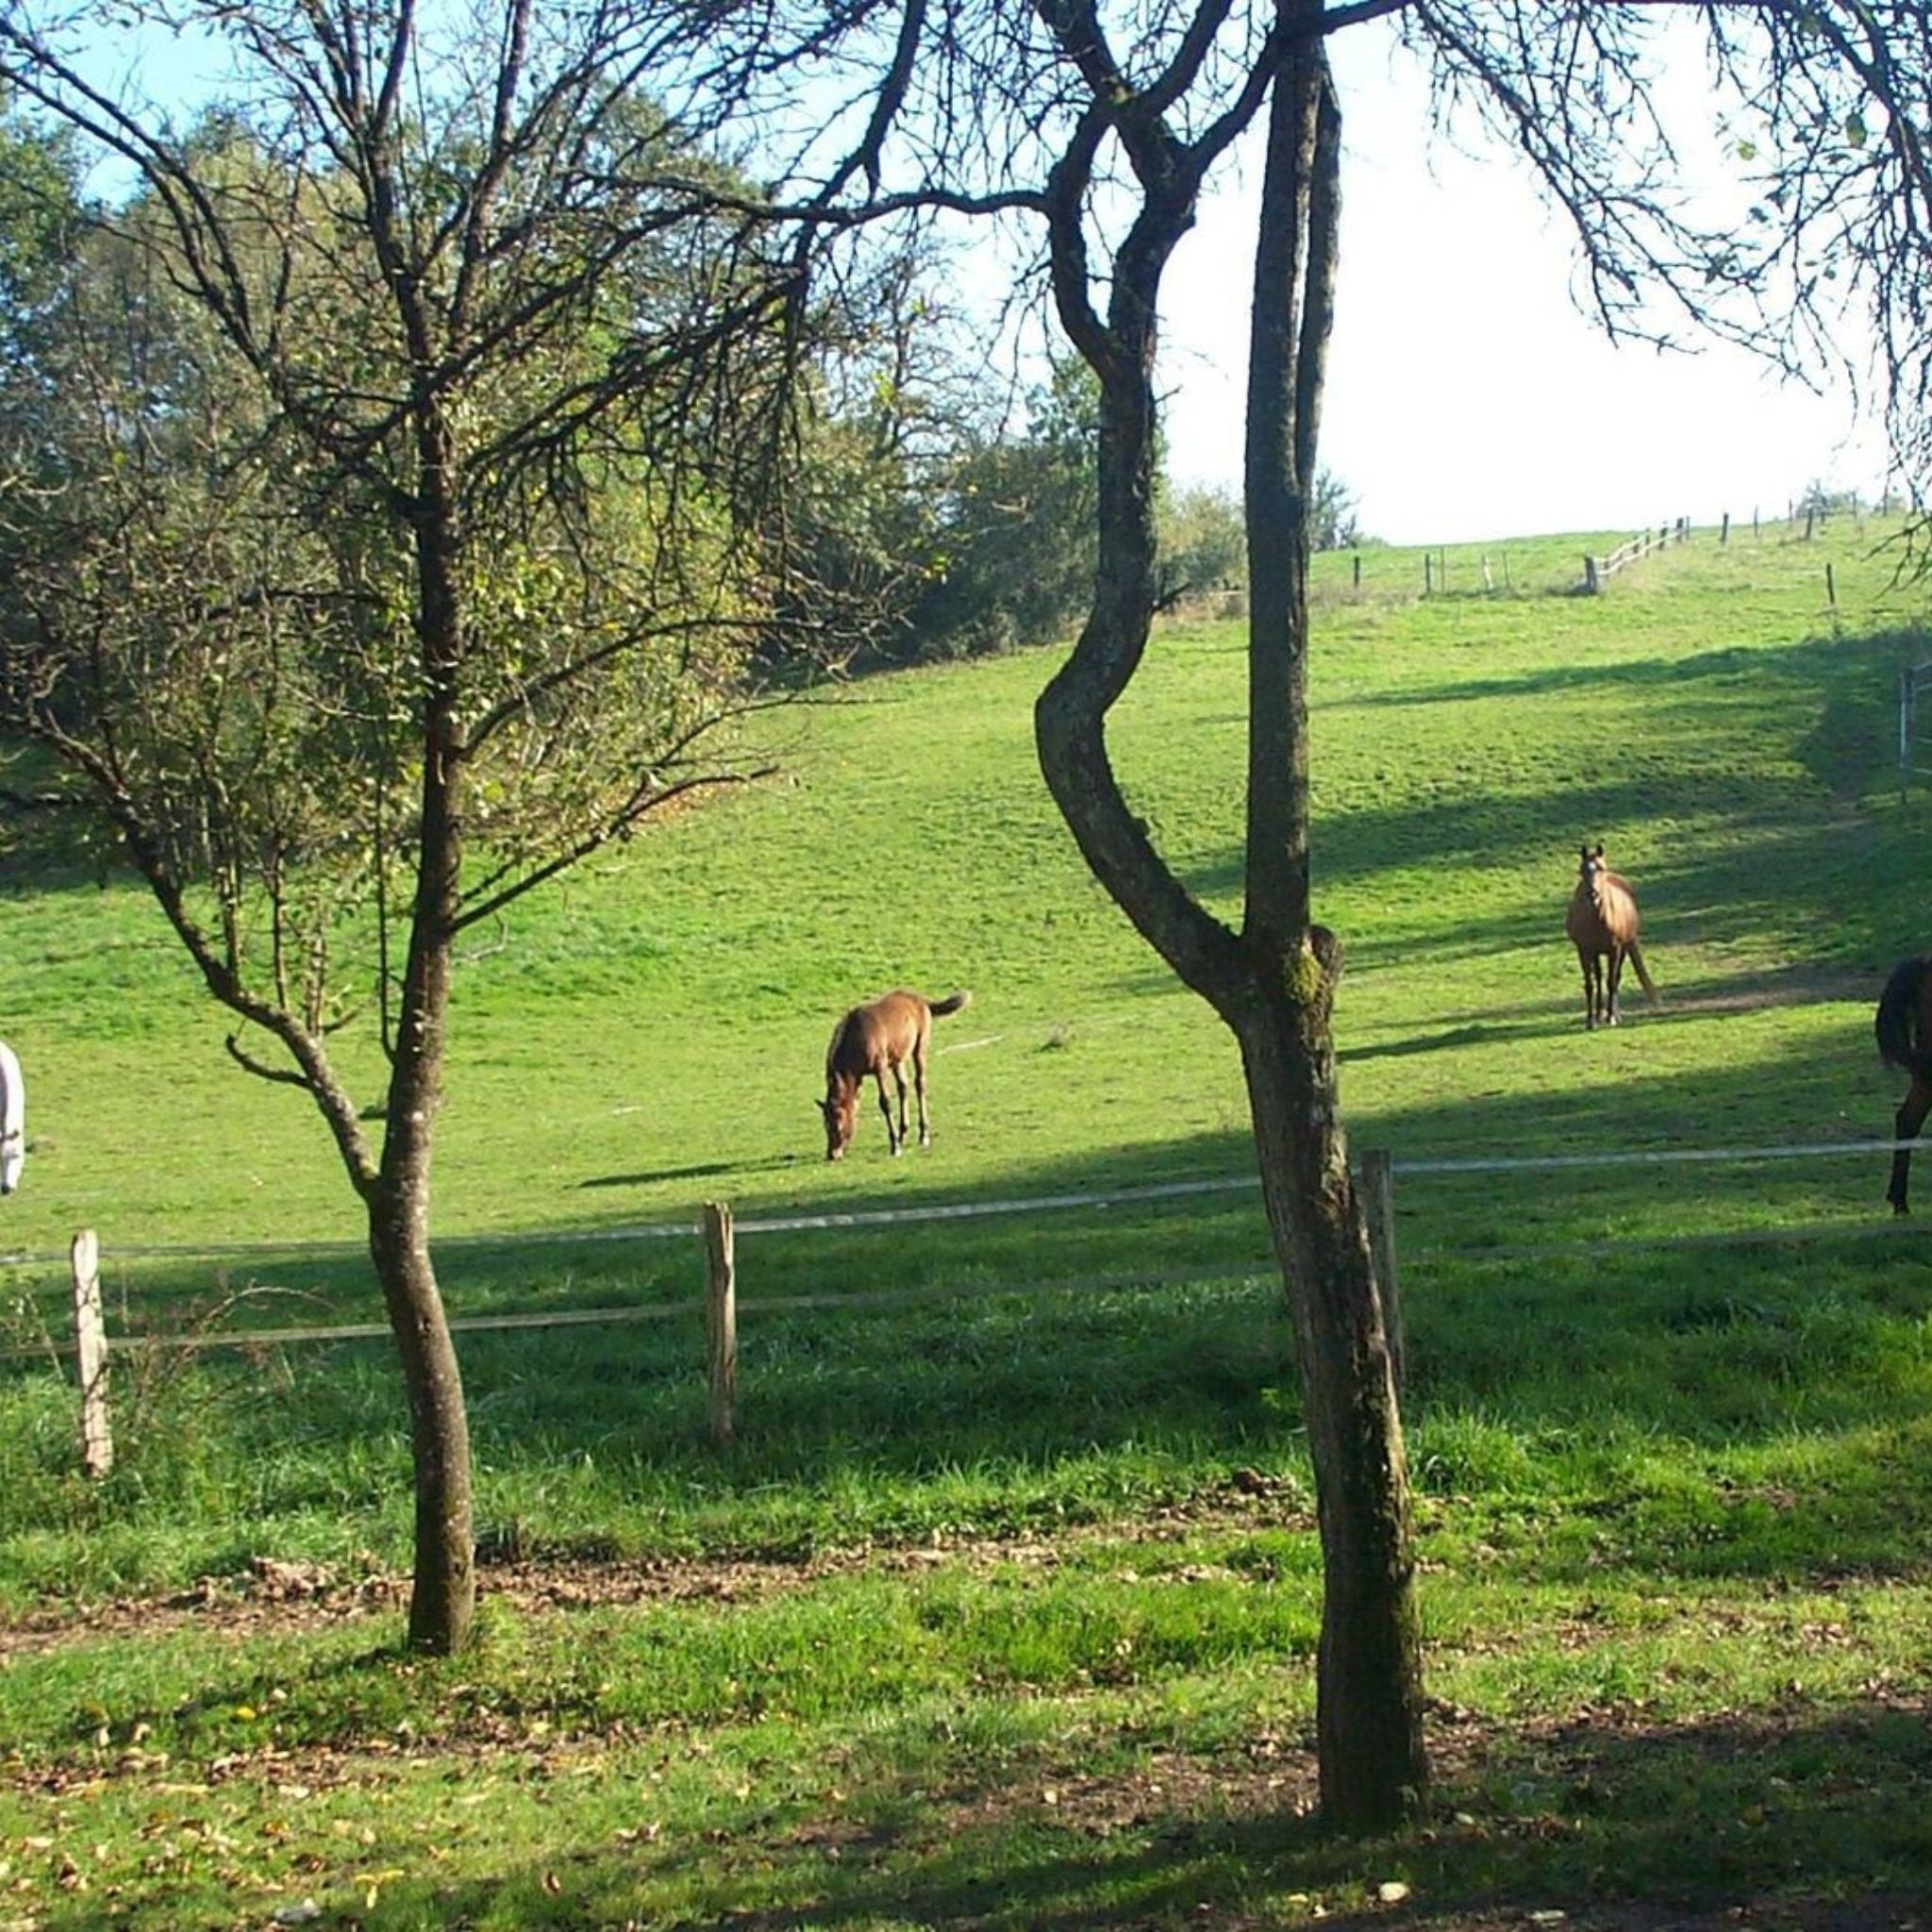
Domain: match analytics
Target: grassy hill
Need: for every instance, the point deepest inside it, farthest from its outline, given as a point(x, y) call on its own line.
point(651, 1032)
point(999, 1611)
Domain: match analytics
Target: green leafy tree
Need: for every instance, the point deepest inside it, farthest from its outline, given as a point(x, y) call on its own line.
point(1015, 539)
point(1203, 542)
point(414, 418)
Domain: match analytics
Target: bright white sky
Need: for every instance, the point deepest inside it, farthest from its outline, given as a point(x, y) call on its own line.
point(1468, 398)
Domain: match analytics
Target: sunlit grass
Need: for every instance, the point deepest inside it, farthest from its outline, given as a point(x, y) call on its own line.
point(1001, 1608)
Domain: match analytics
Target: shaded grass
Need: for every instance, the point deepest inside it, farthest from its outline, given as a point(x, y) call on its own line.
point(1000, 1610)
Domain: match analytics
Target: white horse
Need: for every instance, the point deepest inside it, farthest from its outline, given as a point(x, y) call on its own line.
point(12, 1121)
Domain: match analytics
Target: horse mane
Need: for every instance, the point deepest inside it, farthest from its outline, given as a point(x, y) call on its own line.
point(1897, 1021)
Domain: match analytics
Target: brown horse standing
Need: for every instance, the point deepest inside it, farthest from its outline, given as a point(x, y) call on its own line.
point(1601, 924)
point(1904, 1025)
point(878, 1040)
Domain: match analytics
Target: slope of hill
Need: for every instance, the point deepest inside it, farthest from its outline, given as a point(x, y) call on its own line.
point(652, 1031)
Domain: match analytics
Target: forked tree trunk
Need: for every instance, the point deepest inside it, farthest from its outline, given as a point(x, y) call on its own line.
point(1273, 982)
point(1369, 1694)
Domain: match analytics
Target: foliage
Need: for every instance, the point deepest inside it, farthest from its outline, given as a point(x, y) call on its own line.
point(1203, 546)
point(1014, 540)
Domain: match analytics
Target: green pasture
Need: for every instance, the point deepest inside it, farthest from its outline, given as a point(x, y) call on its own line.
point(1001, 1608)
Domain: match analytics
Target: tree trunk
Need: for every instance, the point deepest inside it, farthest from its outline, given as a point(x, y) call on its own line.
point(442, 1598)
point(1374, 1768)
point(1273, 982)
point(1369, 1695)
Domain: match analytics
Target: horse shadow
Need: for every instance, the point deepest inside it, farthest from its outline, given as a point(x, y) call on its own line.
point(700, 1171)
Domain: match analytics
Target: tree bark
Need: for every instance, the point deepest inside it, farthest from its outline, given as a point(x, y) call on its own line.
point(1369, 1694)
point(1373, 1765)
point(442, 1602)
point(1273, 982)
point(442, 1598)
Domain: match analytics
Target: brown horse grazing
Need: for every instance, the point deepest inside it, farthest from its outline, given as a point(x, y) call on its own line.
point(1601, 924)
point(878, 1040)
point(1904, 1025)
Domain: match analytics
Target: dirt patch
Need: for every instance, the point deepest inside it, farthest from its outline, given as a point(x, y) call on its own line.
point(274, 1595)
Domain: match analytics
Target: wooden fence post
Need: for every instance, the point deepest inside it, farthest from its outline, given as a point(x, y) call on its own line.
point(1428, 573)
point(1723, 533)
point(721, 1321)
point(1378, 1209)
point(90, 1337)
point(1589, 577)
point(1830, 587)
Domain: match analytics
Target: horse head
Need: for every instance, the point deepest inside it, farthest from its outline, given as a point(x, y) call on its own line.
point(841, 1110)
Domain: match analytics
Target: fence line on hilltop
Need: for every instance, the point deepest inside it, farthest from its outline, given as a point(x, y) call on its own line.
point(1596, 568)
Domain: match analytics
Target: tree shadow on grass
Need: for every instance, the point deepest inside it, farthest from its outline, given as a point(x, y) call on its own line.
point(1787, 1818)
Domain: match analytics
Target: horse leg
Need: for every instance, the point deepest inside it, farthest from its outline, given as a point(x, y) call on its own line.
point(899, 1083)
point(918, 1088)
point(893, 1136)
point(1910, 1118)
point(1614, 978)
point(1589, 986)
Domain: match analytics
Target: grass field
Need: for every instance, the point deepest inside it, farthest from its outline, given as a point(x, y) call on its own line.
point(1001, 1609)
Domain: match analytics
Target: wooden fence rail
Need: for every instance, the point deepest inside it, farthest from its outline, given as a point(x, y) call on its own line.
point(1596, 568)
point(718, 1232)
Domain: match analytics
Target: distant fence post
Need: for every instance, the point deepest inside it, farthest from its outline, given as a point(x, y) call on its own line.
point(1378, 1210)
point(1723, 533)
point(90, 1339)
point(1589, 577)
point(721, 1321)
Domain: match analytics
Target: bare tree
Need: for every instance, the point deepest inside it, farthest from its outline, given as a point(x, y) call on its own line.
point(384, 543)
point(1273, 979)
point(1104, 122)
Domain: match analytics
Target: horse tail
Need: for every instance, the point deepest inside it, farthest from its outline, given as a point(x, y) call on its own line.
point(1897, 1020)
point(1635, 953)
point(951, 1003)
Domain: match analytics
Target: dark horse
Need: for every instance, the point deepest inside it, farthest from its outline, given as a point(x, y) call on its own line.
point(1601, 924)
point(1904, 1039)
point(874, 1040)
